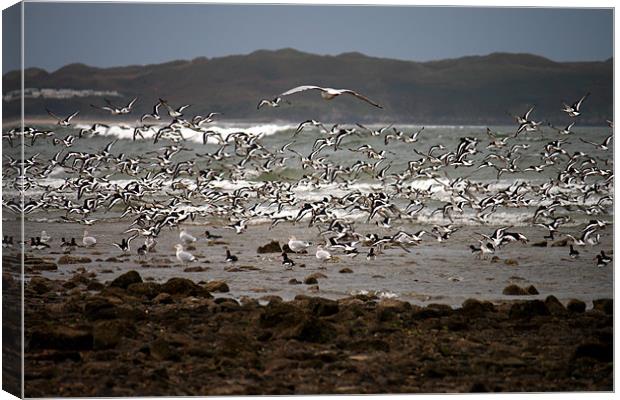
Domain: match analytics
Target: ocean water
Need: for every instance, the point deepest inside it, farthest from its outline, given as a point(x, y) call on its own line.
point(397, 157)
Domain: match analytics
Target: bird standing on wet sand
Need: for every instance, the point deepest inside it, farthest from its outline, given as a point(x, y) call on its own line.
point(230, 257)
point(602, 259)
point(322, 254)
point(573, 253)
point(210, 236)
point(298, 245)
point(287, 262)
point(142, 250)
point(186, 238)
point(88, 241)
point(183, 256)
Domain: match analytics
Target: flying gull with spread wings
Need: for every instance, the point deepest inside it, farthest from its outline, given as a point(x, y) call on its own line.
point(326, 93)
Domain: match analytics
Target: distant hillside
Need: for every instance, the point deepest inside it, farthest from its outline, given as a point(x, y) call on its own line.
point(473, 90)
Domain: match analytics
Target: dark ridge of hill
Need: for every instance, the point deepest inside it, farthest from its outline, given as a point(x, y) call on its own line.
point(466, 90)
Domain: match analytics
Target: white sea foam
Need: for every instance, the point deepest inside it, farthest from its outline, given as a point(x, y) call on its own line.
point(125, 131)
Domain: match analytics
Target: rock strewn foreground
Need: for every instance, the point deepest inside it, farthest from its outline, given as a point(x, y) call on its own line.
point(135, 338)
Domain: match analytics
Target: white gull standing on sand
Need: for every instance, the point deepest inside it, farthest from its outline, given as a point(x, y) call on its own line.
point(186, 238)
point(298, 245)
point(183, 256)
point(322, 254)
point(88, 241)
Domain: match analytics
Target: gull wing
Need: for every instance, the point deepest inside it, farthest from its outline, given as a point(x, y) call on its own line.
point(588, 142)
point(301, 89)
point(52, 114)
point(361, 97)
point(578, 104)
point(72, 115)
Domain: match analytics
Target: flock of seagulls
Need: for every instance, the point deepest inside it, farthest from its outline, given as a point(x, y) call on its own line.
point(191, 181)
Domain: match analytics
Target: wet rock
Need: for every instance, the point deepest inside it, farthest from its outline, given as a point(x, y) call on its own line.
point(61, 338)
point(112, 259)
point(310, 280)
point(554, 306)
point(271, 247)
point(531, 290)
point(40, 285)
point(560, 243)
point(217, 286)
point(182, 286)
point(98, 307)
point(346, 271)
point(195, 269)
point(431, 311)
point(314, 330)
point(280, 315)
point(510, 261)
point(576, 306)
point(314, 289)
point(126, 279)
point(528, 309)
point(442, 309)
point(95, 286)
point(515, 290)
point(163, 298)
point(495, 259)
point(604, 305)
point(108, 334)
point(597, 351)
point(294, 282)
point(388, 309)
point(479, 387)
point(272, 299)
point(144, 289)
point(226, 304)
point(540, 244)
point(67, 259)
point(162, 350)
point(318, 306)
point(40, 265)
point(476, 307)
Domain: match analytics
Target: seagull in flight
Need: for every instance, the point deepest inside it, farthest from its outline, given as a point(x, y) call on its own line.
point(603, 146)
point(62, 121)
point(271, 103)
point(574, 110)
point(114, 110)
point(328, 93)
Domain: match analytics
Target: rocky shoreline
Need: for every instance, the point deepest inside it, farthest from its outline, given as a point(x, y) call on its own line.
point(131, 337)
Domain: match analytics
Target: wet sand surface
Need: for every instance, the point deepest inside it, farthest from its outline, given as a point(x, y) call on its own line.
point(432, 272)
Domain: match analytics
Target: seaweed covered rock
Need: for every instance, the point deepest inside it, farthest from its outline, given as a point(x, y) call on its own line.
point(528, 309)
point(123, 281)
point(271, 247)
point(184, 287)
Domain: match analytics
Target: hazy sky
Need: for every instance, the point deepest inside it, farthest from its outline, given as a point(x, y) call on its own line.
point(121, 34)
